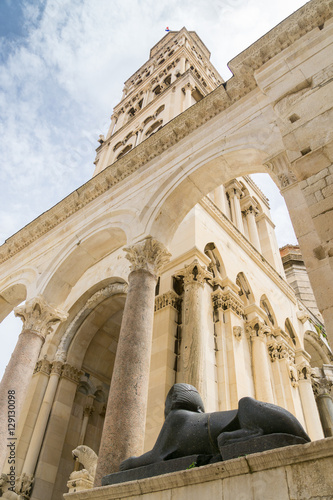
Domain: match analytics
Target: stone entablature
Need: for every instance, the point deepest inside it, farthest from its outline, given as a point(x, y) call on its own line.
point(228, 300)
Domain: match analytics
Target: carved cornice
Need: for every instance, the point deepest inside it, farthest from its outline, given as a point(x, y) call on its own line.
point(168, 299)
point(310, 16)
point(147, 255)
point(228, 300)
point(38, 316)
point(194, 273)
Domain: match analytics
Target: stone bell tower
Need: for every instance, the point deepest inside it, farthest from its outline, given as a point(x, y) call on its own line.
point(177, 75)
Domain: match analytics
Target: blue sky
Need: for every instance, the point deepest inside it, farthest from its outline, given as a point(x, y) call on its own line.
point(62, 68)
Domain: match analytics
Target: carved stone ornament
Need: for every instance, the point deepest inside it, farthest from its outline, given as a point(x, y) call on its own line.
point(237, 331)
point(39, 317)
point(57, 367)
point(257, 328)
point(279, 349)
point(228, 300)
point(44, 366)
point(304, 371)
point(147, 255)
point(71, 373)
point(293, 375)
point(194, 273)
point(23, 485)
point(321, 386)
point(281, 170)
point(168, 299)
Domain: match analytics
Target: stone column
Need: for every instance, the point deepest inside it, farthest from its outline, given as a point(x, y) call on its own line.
point(87, 412)
point(234, 193)
point(192, 369)
point(188, 95)
point(112, 125)
point(258, 332)
point(38, 320)
point(123, 432)
point(250, 212)
point(42, 419)
point(228, 320)
point(322, 389)
point(311, 415)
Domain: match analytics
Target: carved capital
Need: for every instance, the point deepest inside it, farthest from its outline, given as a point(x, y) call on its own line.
point(279, 349)
point(23, 485)
point(293, 375)
point(170, 299)
point(43, 366)
point(39, 317)
point(194, 273)
point(321, 386)
point(228, 300)
point(71, 373)
point(57, 367)
point(281, 170)
point(304, 371)
point(147, 255)
point(257, 328)
point(88, 410)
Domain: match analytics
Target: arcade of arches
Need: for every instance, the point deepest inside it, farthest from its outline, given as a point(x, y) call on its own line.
point(164, 267)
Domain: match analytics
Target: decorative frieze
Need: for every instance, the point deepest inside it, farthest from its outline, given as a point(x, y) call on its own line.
point(228, 300)
point(168, 299)
point(39, 317)
point(147, 255)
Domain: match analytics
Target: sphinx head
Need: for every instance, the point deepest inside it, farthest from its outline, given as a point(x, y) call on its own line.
point(183, 397)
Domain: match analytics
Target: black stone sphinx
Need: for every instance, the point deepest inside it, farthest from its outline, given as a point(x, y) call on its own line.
point(191, 436)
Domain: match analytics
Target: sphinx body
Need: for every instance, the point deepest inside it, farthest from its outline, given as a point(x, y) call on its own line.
point(188, 430)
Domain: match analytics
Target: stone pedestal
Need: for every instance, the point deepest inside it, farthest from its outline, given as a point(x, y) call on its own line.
point(123, 432)
point(302, 471)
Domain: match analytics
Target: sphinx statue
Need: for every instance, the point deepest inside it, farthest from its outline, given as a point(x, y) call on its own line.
point(188, 430)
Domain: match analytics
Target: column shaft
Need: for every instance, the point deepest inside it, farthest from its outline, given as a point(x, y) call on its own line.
point(17, 378)
point(123, 433)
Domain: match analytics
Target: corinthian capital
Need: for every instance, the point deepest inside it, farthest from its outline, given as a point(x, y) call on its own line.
point(147, 255)
point(38, 316)
point(194, 273)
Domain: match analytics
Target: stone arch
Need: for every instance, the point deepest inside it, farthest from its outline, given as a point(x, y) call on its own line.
point(318, 350)
point(290, 330)
point(216, 262)
point(15, 290)
point(193, 180)
point(245, 293)
point(266, 306)
point(80, 254)
point(63, 337)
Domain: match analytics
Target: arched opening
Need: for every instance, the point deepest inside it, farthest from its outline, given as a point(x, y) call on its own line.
point(83, 254)
point(89, 345)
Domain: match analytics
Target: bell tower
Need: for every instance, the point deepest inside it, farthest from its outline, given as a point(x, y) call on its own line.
point(177, 75)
